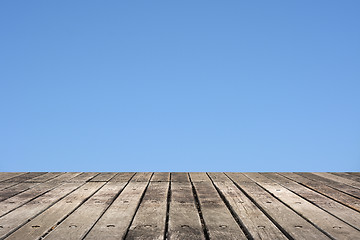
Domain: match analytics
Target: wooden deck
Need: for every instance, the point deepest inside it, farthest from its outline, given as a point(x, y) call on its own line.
point(144, 205)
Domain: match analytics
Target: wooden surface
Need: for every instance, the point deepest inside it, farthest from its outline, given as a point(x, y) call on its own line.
point(195, 205)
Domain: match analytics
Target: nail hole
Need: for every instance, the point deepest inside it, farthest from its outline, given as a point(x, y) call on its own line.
point(261, 226)
point(298, 226)
point(97, 201)
point(72, 226)
point(268, 202)
point(222, 226)
point(110, 225)
point(185, 226)
point(298, 202)
point(125, 201)
point(1, 227)
point(68, 201)
point(35, 226)
point(336, 227)
point(147, 226)
point(240, 202)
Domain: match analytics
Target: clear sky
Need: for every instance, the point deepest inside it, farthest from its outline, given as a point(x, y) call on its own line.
point(180, 85)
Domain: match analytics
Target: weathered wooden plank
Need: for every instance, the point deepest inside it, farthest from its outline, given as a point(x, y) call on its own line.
point(117, 218)
point(142, 177)
point(217, 217)
point(80, 222)
point(335, 194)
point(161, 177)
point(184, 220)
point(103, 177)
point(346, 214)
point(8, 175)
point(338, 179)
point(179, 177)
point(348, 176)
point(13, 220)
point(289, 221)
point(24, 177)
point(47, 220)
point(325, 221)
point(16, 189)
point(254, 220)
point(149, 221)
point(199, 177)
point(44, 177)
point(6, 185)
point(122, 177)
point(336, 185)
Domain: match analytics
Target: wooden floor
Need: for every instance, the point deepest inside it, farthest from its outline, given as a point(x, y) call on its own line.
point(143, 205)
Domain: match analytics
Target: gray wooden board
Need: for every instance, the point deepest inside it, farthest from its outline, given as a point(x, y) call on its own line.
point(16, 189)
point(24, 177)
point(8, 175)
point(334, 184)
point(292, 223)
point(335, 194)
point(141, 177)
point(47, 220)
point(81, 177)
point(199, 177)
point(117, 218)
point(80, 222)
point(325, 221)
point(184, 219)
point(346, 214)
point(103, 177)
point(218, 177)
point(11, 221)
point(122, 177)
point(179, 177)
point(348, 176)
point(217, 217)
point(255, 221)
point(44, 177)
point(149, 221)
point(161, 177)
point(339, 179)
point(6, 185)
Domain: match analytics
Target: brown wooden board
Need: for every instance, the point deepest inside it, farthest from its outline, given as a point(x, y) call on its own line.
point(348, 176)
point(184, 219)
point(8, 175)
point(219, 222)
point(342, 212)
point(339, 179)
point(325, 221)
point(117, 218)
point(254, 220)
point(122, 177)
point(24, 177)
point(47, 220)
point(141, 177)
point(161, 177)
point(103, 177)
point(44, 177)
point(82, 177)
point(15, 219)
point(334, 184)
point(15, 189)
point(80, 222)
point(199, 177)
point(179, 177)
point(150, 219)
point(284, 217)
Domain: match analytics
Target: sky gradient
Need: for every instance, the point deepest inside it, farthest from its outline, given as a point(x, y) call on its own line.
point(180, 85)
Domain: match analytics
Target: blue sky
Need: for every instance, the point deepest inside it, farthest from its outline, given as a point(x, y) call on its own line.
point(180, 85)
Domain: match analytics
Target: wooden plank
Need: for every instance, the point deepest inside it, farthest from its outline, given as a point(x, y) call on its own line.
point(31, 193)
point(117, 218)
point(80, 222)
point(142, 177)
point(47, 220)
point(8, 175)
point(179, 177)
point(103, 177)
point(184, 220)
point(334, 184)
point(13, 220)
point(339, 179)
point(217, 217)
point(285, 218)
point(161, 177)
point(254, 220)
point(342, 212)
point(6, 185)
point(149, 221)
point(199, 177)
point(122, 177)
point(16, 189)
point(348, 176)
point(24, 177)
point(332, 193)
point(44, 177)
point(331, 225)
